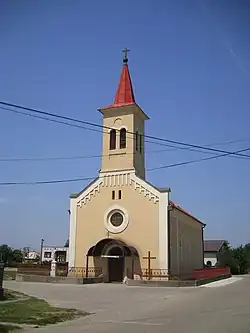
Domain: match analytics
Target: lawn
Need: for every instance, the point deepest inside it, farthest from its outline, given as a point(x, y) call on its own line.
point(11, 295)
point(9, 275)
point(33, 311)
point(8, 328)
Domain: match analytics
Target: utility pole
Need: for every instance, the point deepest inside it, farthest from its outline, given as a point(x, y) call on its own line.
point(41, 250)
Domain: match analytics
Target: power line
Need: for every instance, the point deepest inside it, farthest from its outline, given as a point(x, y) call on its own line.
point(55, 181)
point(81, 127)
point(194, 161)
point(100, 131)
point(129, 132)
point(61, 158)
point(91, 178)
point(51, 120)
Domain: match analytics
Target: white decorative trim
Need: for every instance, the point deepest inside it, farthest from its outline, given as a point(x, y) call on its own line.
point(122, 126)
point(111, 173)
point(163, 231)
point(167, 222)
point(117, 128)
point(115, 180)
point(121, 178)
point(112, 229)
point(72, 233)
point(90, 193)
point(145, 189)
point(111, 128)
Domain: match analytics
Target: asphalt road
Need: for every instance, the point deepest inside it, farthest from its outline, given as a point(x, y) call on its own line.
point(118, 308)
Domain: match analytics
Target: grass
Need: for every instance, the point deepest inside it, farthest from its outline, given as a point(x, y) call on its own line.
point(34, 311)
point(10, 295)
point(8, 328)
point(9, 275)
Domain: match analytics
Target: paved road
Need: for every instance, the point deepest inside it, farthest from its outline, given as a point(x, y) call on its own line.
point(118, 308)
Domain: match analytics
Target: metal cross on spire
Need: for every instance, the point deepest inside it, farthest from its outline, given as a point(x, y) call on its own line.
point(125, 58)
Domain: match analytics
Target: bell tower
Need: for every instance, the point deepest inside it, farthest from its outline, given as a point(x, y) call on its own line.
point(123, 133)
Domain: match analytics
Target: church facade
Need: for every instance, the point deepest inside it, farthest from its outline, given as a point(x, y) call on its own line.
point(121, 226)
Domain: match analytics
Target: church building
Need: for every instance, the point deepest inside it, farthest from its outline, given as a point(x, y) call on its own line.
point(122, 226)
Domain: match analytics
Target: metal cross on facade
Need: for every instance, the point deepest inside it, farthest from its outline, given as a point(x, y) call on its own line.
point(125, 58)
point(149, 262)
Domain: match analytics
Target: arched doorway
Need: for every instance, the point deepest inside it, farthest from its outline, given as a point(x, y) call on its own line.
point(115, 258)
point(115, 264)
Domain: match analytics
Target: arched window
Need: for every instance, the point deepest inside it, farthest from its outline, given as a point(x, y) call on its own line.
point(123, 138)
point(141, 143)
point(137, 141)
point(112, 139)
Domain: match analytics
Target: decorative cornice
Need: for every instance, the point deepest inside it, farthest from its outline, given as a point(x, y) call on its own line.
point(117, 180)
point(144, 189)
point(90, 193)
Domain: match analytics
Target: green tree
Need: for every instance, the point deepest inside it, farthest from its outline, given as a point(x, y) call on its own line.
point(5, 253)
point(247, 249)
point(226, 258)
point(238, 259)
point(17, 256)
point(241, 255)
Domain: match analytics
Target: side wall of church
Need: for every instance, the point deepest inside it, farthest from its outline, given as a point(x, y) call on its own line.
point(141, 208)
point(186, 243)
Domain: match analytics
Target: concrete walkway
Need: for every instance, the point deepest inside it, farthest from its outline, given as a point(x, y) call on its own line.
point(118, 308)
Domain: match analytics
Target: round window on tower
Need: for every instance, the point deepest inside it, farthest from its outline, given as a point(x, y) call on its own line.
point(116, 219)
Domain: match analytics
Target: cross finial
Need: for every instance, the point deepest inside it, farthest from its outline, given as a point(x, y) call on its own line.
point(125, 58)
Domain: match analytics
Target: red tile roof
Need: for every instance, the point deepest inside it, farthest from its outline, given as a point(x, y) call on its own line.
point(213, 245)
point(184, 211)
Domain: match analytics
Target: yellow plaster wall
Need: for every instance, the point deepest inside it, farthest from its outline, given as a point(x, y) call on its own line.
point(131, 118)
point(186, 243)
point(142, 231)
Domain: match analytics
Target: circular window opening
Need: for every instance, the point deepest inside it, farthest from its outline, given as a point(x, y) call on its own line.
point(116, 219)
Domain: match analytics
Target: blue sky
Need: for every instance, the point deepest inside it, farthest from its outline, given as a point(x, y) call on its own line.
point(190, 68)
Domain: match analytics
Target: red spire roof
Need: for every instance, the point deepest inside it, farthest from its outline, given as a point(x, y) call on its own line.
point(124, 95)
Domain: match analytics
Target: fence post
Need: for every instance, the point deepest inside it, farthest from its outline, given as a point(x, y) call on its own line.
point(87, 266)
point(53, 268)
point(1, 279)
point(133, 268)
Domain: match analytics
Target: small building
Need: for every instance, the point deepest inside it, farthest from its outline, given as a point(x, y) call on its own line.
point(32, 255)
point(59, 254)
point(212, 248)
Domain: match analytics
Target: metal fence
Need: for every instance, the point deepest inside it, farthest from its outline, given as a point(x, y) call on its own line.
point(83, 272)
point(159, 274)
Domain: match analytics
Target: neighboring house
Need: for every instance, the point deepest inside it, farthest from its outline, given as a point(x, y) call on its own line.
point(59, 254)
point(211, 250)
point(120, 218)
point(32, 255)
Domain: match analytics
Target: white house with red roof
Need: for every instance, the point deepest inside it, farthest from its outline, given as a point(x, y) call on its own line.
point(212, 249)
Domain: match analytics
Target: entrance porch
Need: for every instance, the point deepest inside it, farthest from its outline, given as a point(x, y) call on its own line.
point(114, 258)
